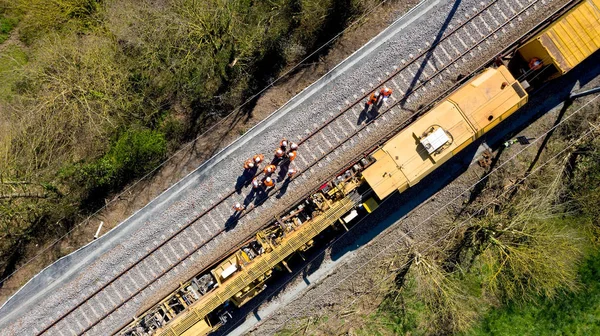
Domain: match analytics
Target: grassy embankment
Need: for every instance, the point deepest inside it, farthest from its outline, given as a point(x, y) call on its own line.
point(96, 93)
point(526, 266)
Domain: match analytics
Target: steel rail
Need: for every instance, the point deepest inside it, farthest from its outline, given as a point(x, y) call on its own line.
point(274, 190)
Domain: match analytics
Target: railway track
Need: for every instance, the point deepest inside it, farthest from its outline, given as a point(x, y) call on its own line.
point(411, 78)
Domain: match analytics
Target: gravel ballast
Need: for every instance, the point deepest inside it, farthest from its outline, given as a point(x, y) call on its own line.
point(66, 282)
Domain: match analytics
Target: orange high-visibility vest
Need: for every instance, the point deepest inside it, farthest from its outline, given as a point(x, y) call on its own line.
point(292, 155)
point(249, 164)
point(269, 182)
point(258, 158)
point(386, 92)
point(270, 169)
point(373, 99)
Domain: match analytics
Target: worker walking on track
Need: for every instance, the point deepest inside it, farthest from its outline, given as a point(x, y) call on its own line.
point(279, 153)
point(258, 158)
point(283, 144)
point(293, 146)
point(249, 164)
point(270, 169)
point(239, 207)
point(386, 92)
point(373, 98)
point(292, 155)
point(291, 172)
point(256, 183)
point(268, 182)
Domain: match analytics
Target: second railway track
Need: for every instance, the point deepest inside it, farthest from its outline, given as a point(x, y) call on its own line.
point(409, 78)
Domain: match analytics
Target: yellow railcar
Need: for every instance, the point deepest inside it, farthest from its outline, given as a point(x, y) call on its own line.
point(202, 304)
point(568, 41)
point(444, 131)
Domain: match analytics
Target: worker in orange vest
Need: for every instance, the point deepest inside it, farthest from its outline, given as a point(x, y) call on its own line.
point(269, 182)
point(249, 164)
point(279, 153)
point(283, 144)
point(292, 155)
point(239, 207)
point(386, 92)
point(291, 172)
point(535, 64)
point(293, 146)
point(258, 158)
point(373, 99)
point(255, 183)
point(270, 169)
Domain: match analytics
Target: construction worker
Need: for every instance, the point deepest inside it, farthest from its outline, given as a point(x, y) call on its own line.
point(256, 183)
point(535, 64)
point(269, 182)
point(279, 153)
point(386, 92)
point(292, 155)
point(373, 99)
point(293, 146)
point(249, 164)
point(239, 207)
point(258, 158)
point(291, 172)
point(270, 169)
point(283, 144)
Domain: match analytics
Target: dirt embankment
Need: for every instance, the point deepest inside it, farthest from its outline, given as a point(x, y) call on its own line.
point(194, 153)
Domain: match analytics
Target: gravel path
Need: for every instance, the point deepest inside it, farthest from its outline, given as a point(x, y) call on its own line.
point(40, 302)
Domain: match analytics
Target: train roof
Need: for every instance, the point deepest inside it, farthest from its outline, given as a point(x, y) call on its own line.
point(568, 41)
point(449, 127)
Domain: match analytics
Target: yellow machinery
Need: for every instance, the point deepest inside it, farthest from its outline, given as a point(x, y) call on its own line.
point(568, 41)
point(201, 305)
point(444, 131)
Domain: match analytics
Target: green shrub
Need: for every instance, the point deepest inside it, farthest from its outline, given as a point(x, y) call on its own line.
point(6, 26)
point(135, 153)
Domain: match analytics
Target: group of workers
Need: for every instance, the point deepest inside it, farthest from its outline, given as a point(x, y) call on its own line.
point(286, 150)
point(383, 95)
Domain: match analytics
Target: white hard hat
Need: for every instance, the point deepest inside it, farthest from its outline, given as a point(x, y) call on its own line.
point(238, 205)
point(257, 159)
point(284, 142)
point(294, 145)
point(250, 164)
point(376, 93)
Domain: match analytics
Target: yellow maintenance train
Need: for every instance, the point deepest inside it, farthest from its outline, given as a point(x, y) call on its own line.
point(203, 304)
